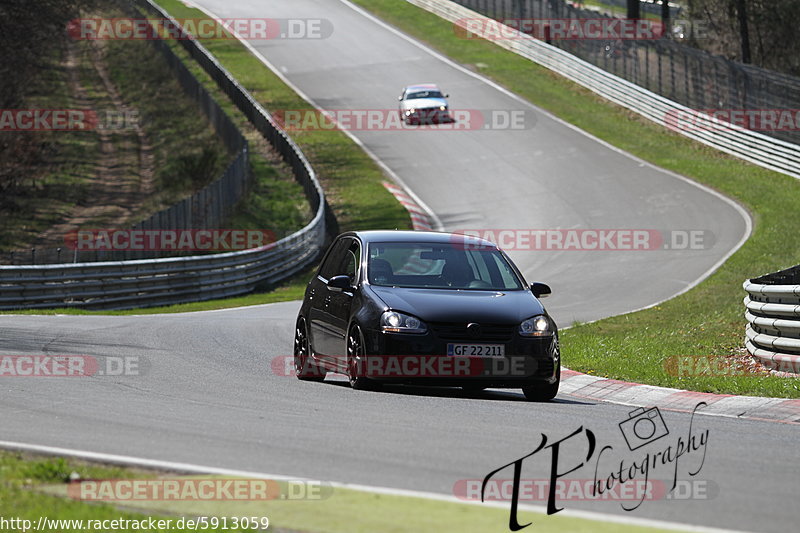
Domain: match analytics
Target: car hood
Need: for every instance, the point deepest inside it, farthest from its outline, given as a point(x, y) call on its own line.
point(444, 305)
point(424, 103)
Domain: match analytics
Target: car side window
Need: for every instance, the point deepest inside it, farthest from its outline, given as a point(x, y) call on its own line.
point(352, 261)
point(345, 258)
point(333, 261)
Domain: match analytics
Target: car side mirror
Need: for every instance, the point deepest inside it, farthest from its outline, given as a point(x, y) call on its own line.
point(339, 283)
point(540, 290)
point(447, 95)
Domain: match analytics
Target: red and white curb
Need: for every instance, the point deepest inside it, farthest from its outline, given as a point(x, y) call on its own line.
point(420, 219)
point(596, 388)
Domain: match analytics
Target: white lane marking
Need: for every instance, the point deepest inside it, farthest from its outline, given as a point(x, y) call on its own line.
point(438, 226)
point(198, 469)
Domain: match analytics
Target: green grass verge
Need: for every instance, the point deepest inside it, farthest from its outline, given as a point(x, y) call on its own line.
point(706, 321)
point(31, 487)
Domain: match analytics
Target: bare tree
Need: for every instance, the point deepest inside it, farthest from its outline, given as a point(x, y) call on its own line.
point(761, 32)
point(32, 35)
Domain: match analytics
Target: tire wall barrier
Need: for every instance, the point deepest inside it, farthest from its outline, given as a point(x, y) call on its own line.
point(772, 310)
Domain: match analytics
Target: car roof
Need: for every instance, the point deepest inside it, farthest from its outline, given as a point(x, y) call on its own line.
point(427, 237)
point(422, 87)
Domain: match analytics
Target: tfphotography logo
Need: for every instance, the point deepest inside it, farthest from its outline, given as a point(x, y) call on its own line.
point(627, 476)
point(643, 426)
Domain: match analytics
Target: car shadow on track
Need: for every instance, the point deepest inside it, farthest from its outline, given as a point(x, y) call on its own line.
point(510, 395)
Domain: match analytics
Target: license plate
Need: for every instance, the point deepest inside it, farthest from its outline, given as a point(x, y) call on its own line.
point(478, 350)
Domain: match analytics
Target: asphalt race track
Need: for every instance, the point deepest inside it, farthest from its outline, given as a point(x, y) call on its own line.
point(208, 392)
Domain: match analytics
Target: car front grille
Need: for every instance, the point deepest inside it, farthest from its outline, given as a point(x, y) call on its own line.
point(458, 332)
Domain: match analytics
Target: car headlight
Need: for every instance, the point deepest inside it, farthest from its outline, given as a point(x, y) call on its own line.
point(394, 322)
point(410, 111)
point(537, 326)
point(442, 108)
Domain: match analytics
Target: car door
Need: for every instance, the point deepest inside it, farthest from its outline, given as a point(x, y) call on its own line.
point(319, 296)
point(339, 308)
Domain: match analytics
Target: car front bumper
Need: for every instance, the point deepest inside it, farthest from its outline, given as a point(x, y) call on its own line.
point(426, 116)
point(423, 359)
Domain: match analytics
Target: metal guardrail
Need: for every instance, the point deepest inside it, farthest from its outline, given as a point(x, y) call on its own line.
point(773, 319)
point(151, 282)
point(767, 152)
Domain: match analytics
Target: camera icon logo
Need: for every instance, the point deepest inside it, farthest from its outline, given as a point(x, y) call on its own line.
point(643, 426)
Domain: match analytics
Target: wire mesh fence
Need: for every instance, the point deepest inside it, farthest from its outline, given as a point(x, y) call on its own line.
point(670, 68)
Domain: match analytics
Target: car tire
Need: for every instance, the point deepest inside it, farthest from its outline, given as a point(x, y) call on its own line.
point(304, 365)
point(356, 350)
point(543, 392)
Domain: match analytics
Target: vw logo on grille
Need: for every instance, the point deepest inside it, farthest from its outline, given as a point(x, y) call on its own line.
point(474, 330)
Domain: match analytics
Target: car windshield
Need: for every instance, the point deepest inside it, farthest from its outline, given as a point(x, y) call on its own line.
point(440, 266)
point(424, 94)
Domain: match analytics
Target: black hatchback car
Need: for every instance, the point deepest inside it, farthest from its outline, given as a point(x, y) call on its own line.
point(426, 308)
